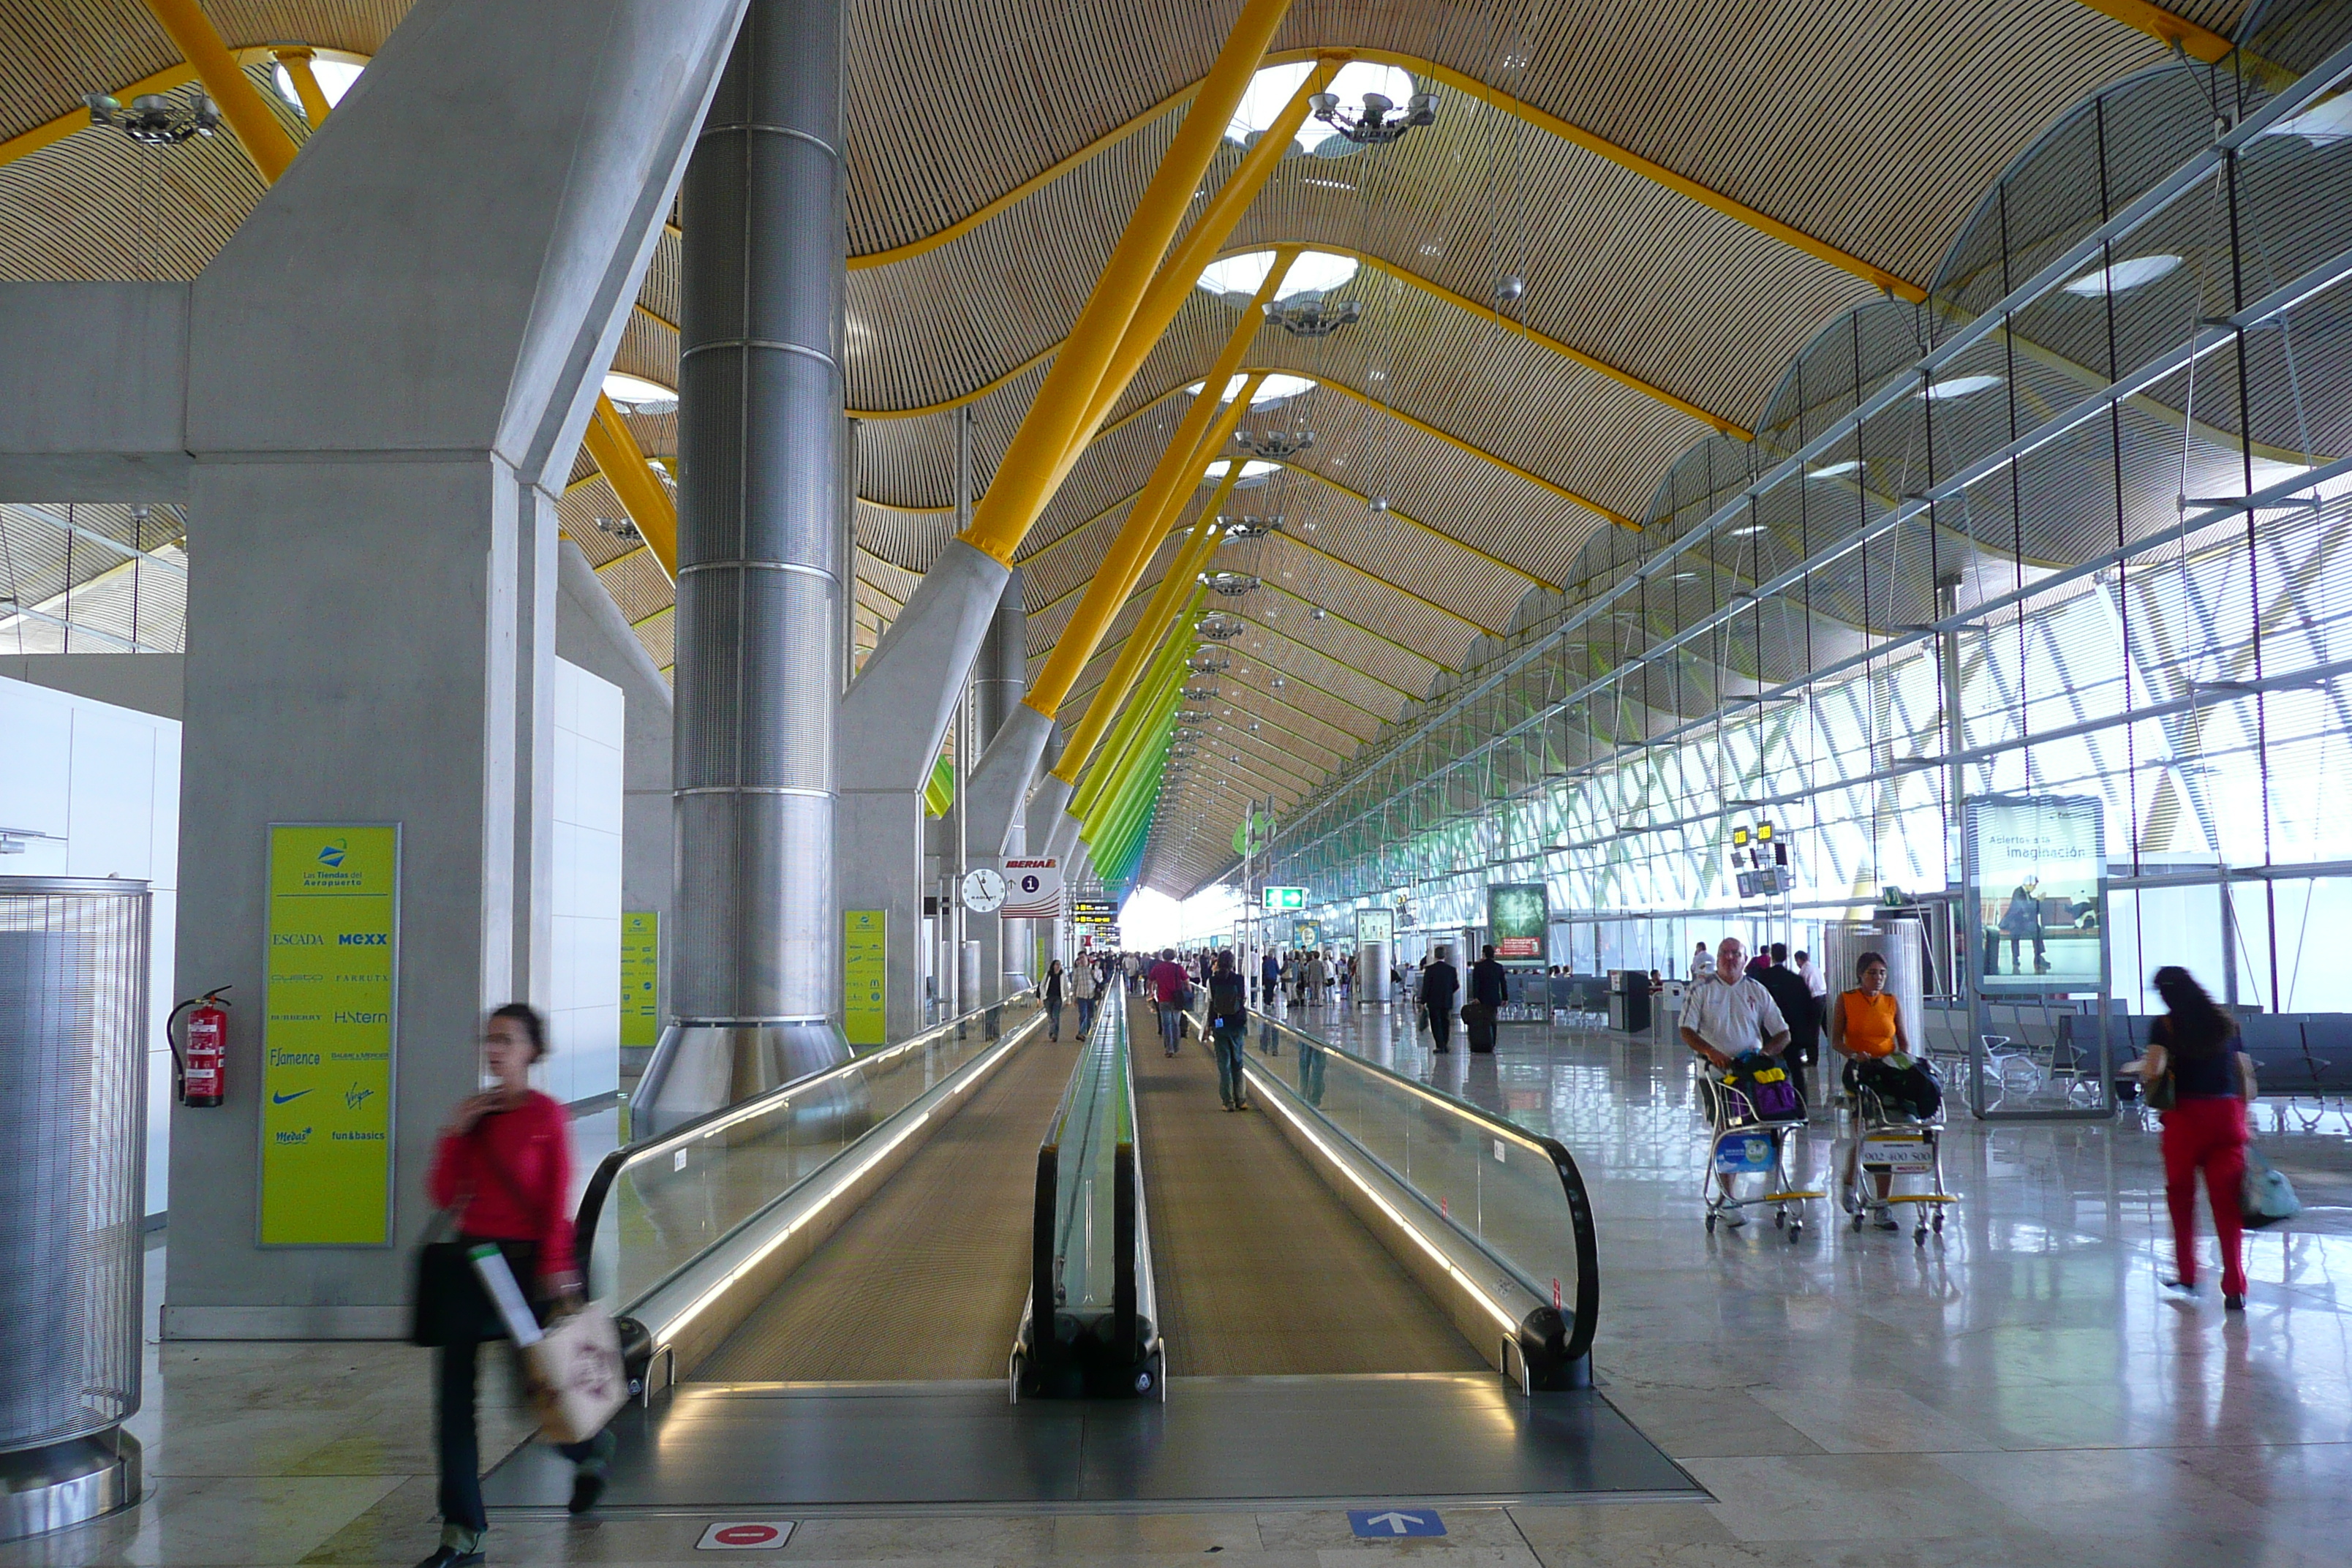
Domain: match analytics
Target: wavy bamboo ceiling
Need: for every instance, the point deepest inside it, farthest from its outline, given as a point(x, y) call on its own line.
point(1688, 194)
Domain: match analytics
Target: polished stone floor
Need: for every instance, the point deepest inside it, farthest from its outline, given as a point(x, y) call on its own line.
point(2018, 1392)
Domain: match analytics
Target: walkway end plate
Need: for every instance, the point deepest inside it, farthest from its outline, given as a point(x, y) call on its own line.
point(1393, 1524)
point(745, 1536)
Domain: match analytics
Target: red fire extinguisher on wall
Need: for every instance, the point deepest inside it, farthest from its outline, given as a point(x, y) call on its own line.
point(203, 1065)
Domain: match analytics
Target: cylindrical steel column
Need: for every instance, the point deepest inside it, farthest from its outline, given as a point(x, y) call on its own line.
point(760, 600)
point(73, 1146)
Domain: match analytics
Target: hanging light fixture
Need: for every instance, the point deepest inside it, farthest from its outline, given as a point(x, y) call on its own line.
point(1208, 661)
point(1219, 628)
point(153, 119)
point(1312, 316)
point(1200, 694)
point(1274, 446)
point(1251, 526)
point(1370, 123)
point(1232, 584)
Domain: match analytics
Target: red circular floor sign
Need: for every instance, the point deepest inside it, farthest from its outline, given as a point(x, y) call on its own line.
point(746, 1535)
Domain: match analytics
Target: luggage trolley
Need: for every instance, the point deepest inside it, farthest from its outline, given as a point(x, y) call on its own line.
point(1874, 1137)
point(1742, 1144)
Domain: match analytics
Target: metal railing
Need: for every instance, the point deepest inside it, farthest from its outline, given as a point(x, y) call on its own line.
point(652, 1208)
point(1091, 1325)
point(1515, 1196)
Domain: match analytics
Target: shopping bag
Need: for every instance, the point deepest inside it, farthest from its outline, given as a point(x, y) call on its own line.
point(574, 1376)
point(2266, 1196)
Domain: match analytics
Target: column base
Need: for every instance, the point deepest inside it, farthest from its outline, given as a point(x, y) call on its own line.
point(701, 1067)
point(67, 1483)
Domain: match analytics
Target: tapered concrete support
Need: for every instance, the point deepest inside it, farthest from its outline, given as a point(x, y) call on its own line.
point(894, 719)
point(475, 239)
point(1064, 842)
point(760, 599)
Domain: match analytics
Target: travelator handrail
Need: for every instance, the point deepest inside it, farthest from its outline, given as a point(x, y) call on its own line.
point(1080, 1333)
point(1555, 1339)
point(690, 1134)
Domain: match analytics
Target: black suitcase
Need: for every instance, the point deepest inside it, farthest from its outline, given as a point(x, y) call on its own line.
point(1478, 1023)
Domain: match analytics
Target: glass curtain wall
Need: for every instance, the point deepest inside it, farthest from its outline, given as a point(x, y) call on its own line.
point(2078, 523)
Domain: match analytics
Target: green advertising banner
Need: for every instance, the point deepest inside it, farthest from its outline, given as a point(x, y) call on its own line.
point(1516, 919)
point(326, 1036)
point(865, 972)
point(641, 977)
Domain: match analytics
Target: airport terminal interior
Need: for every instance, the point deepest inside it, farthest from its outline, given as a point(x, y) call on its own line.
point(1514, 783)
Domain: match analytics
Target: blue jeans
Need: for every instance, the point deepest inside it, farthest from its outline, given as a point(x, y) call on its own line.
point(1085, 1014)
point(1053, 1020)
point(1231, 1086)
point(1171, 1026)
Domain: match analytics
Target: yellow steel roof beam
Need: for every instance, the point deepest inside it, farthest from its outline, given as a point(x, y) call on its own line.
point(2198, 43)
point(1027, 474)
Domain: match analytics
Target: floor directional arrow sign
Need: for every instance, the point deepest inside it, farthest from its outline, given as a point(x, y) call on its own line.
point(1388, 1524)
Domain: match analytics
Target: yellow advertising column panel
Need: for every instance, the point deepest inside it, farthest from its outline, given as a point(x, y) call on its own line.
point(326, 1036)
point(641, 978)
point(865, 975)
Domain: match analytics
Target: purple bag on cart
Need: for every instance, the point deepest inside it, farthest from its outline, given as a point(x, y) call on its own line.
point(1768, 1086)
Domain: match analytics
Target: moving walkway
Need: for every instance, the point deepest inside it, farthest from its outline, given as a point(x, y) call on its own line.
point(962, 1270)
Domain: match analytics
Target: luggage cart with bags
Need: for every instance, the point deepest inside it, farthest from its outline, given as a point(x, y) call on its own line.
point(1754, 1111)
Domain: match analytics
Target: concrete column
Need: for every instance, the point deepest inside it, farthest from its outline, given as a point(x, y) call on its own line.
point(1000, 677)
point(760, 601)
point(372, 616)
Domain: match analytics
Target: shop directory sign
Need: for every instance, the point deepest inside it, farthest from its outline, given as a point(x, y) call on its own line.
point(1375, 925)
point(865, 973)
point(334, 949)
point(641, 978)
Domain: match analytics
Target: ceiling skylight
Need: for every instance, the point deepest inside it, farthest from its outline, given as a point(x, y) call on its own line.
point(1237, 278)
point(1273, 389)
point(1274, 86)
point(1252, 470)
point(637, 395)
point(334, 79)
point(1953, 387)
point(2130, 273)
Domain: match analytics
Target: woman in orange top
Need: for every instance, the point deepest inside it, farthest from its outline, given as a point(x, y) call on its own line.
point(1866, 1025)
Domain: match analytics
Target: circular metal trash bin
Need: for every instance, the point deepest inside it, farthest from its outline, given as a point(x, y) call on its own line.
point(73, 1163)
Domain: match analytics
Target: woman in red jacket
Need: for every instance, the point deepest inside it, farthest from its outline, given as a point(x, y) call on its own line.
point(503, 1169)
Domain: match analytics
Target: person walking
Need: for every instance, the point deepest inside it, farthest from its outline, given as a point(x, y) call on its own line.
point(1053, 1001)
point(502, 1172)
point(1132, 967)
point(1168, 984)
point(1702, 964)
point(1867, 1028)
point(1315, 979)
point(1440, 983)
point(1270, 979)
point(1228, 1019)
point(1084, 988)
point(2195, 1046)
point(1725, 1015)
point(1488, 988)
point(1795, 1000)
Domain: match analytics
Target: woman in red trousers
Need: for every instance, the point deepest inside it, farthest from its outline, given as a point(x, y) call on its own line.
point(2195, 1044)
point(504, 1168)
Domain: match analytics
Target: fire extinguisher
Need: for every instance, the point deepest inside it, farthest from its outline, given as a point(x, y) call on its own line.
point(204, 1066)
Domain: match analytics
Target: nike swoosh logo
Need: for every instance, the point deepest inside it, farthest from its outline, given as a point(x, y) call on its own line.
point(282, 1099)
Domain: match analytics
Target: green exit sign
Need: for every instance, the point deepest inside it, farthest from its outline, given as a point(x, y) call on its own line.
point(1286, 898)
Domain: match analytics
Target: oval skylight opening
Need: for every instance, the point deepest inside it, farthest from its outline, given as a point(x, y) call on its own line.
point(1253, 471)
point(1273, 389)
point(1832, 470)
point(1237, 278)
point(334, 79)
point(1953, 387)
point(2129, 273)
point(1263, 99)
point(637, 395)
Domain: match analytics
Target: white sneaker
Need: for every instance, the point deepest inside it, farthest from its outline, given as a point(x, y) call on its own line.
point(1733, 1219)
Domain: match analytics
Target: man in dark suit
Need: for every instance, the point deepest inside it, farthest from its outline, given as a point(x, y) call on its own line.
point(1440, 983)
point(1795, 999)
point(1486, 994)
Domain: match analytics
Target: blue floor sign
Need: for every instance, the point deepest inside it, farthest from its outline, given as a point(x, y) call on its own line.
point(1390, 1523)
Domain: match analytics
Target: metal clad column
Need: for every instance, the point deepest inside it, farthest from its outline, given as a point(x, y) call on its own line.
point(1000, 677)
point(760, 602)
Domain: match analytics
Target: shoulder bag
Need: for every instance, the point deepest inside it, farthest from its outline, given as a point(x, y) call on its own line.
point(450, 1306)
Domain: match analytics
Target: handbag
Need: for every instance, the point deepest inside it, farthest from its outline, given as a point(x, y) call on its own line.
point(2265, 1196)
point(574, 1376)
point(2160, 1094)
point(449, 1306)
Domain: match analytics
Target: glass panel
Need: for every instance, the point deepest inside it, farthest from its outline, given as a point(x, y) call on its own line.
point(673, 1198)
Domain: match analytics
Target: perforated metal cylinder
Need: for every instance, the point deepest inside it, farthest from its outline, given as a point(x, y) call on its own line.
point(760, 600)
point(73, 1152)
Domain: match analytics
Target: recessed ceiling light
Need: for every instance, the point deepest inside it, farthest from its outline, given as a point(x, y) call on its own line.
point(1832, 470)
point(1746, 529)
point(2129, 273)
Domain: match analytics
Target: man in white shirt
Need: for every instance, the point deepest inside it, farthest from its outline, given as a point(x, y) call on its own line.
point(1812, 977)
point(1702, 964)
point(1725, 1015)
